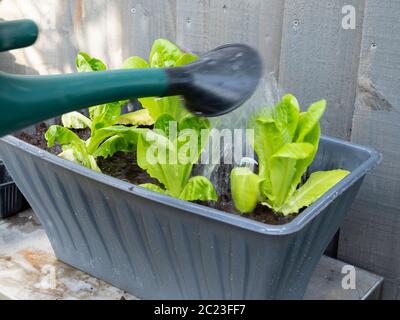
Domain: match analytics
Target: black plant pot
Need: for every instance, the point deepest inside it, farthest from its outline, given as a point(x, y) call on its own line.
point(155, 246)
point(11, 199)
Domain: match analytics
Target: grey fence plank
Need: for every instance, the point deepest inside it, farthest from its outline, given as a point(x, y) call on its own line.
point(205, 24)
point(320, 59)
point(110, 30)
point(55, 49)
point(145, 21)
point(370, 238)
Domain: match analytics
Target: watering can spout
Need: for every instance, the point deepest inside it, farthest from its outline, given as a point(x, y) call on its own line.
point(25, 100)
point(217, 83)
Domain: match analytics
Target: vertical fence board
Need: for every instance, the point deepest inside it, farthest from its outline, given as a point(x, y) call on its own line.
point(55, 47)
point(319, 58)
point(370, 238)
point(205, 24)
point(110, 30)
point(97, 29)
point(145, 21)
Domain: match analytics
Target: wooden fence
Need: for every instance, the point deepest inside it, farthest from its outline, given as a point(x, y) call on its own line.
point(306, 48)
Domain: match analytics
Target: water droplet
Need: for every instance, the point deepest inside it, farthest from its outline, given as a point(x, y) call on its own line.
point(238, 55)
point(296, 22)
point(224, 7)
point(188, 20)
point(133, 10)
point(373, 45)
point(131, 188)
point(248, 162)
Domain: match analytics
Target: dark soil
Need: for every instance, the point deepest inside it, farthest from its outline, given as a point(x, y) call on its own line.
point(123, 166)
point(220, 179)
point(84, 134)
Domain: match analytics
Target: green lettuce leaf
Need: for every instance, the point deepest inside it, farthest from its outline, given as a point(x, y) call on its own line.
point(308, 120)
point(113, 145)
point(164, 123)
point(61, 135)
point(136, 118)
point(245, 188)
point(130, 134)
point(184, 59)
point(86, 63)
point(164, 54)
point(75, 120)
point(169, 157)
point(135, 63)
point(156, 154)
point(198, 188)
point(283, 169)
point(315, 187)
point(286, 114)
point(107, 115)
point(74, 148)
point(308, 131)
point(152, 187)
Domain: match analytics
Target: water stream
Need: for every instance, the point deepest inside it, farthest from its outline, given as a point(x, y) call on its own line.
point(266, 95)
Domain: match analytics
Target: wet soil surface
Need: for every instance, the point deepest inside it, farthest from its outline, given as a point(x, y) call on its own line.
point(123, 166)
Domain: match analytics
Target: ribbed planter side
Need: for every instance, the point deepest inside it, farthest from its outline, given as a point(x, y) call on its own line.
point(165, 249)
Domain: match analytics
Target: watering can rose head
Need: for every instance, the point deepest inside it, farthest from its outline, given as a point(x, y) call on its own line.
point(286, 143)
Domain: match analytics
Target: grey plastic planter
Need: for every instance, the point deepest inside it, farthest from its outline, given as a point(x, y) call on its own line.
point(154, 246)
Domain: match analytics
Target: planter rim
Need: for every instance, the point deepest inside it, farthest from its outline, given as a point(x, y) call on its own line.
point(294, 226)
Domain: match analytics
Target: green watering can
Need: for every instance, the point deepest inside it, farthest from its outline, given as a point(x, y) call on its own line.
point(219, 82)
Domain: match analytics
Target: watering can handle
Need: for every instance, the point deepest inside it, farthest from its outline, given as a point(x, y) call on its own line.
point(17, 34)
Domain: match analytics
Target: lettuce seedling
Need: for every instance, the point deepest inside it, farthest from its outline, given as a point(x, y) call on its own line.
point(168, 154)
point(286, 142)
point(164, 54)
point(181, 151)
point(108, 135)
point(74, 149)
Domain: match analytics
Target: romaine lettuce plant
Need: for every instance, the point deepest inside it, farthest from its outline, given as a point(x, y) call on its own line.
point(286, 142)
point(108, 133)
point(164, 54)
point(168, 154)
point(181, 153)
